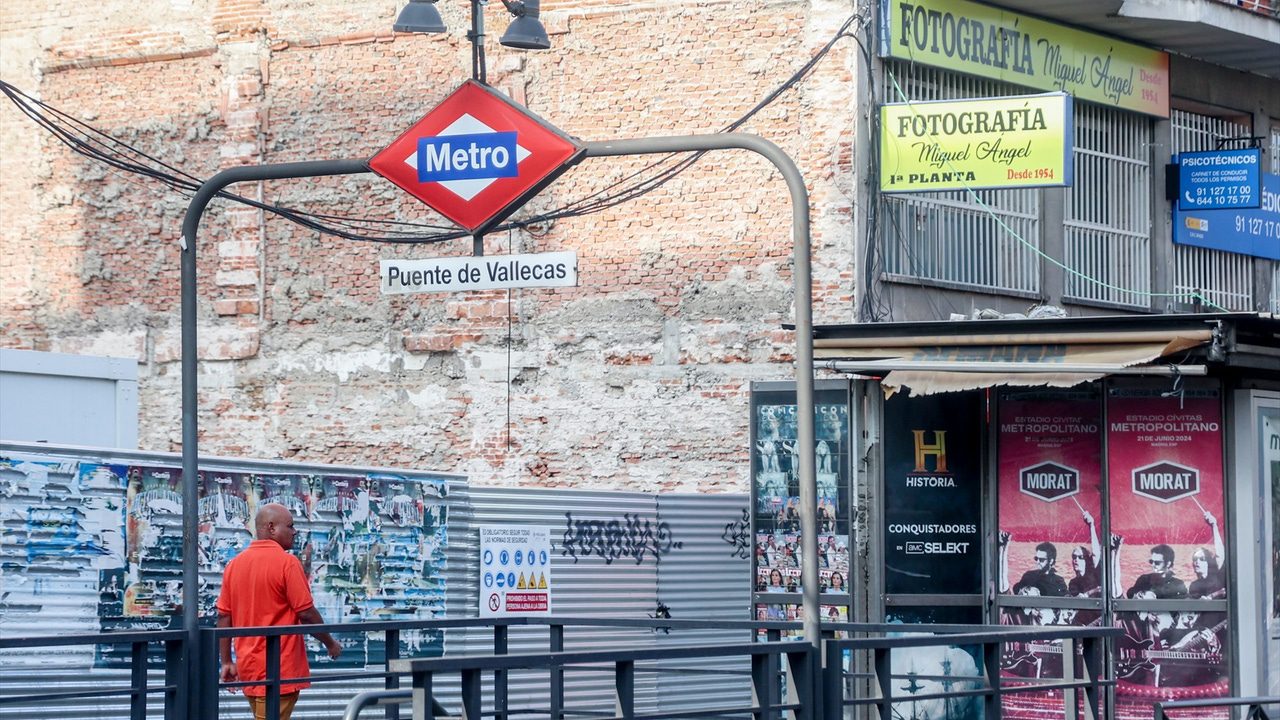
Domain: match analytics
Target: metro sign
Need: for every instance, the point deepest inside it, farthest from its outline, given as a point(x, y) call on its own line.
point(1049, 481)
point(477, 157)
point(1166, 481)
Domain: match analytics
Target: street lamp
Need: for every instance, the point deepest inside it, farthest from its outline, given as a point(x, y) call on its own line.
point(525, 32)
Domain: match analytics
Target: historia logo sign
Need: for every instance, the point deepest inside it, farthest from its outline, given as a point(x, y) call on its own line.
point(476, 157)
point(1166, 481)
point(1049, 481)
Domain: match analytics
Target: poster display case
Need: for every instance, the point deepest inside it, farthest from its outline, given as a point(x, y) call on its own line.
point(775, 493)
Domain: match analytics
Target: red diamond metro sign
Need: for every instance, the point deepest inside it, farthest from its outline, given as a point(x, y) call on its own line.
point(477, 157)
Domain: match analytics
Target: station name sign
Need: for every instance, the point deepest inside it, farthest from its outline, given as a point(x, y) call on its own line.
point(994, 43)
point(1002, 142)
point(494, 272)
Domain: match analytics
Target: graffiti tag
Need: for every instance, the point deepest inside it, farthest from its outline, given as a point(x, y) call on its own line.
point(738, 534)
point(632, 537)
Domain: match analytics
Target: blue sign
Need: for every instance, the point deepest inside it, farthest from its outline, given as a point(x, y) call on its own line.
point(488, 557)
point(488, 579)
point(1221, 179)
point(502, 580)
point(511, 580)
point(503, 557)
point(1247, 231)
point(467, 157)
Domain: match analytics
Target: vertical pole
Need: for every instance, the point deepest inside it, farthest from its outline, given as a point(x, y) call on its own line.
point(883, 669)
point(557, 673)
point(500, 634)
point(423, 707)
point(476, 36)
point(991, 666)
point(764, 684)
point(471, 709)
point(273, 677)
point(173, 678)
point(1070, 696)
point(188, 242)
point(392, 682)
point(624, 686)
point(138, 681)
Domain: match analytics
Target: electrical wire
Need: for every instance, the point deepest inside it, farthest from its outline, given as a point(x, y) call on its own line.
point(90, 142)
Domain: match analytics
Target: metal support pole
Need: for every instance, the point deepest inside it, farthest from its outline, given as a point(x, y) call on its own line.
point(476, 36)
point(190, 397)
point(802, 290)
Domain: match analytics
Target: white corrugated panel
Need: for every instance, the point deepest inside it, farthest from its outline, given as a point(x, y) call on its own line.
point(708, 578)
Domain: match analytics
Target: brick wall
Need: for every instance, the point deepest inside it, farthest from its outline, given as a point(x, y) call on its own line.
point(637, 379)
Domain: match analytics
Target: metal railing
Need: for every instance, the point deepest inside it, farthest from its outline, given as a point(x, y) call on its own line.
point(138, 690)
point(782, 677)
point(1255, 705)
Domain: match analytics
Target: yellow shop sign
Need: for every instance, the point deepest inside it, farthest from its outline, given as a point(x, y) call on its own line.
point(995, 43)
point(1002, 142)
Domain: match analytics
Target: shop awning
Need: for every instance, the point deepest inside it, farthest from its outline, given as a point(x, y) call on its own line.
point(935, 357)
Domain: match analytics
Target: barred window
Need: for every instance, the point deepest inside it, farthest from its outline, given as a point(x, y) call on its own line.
point(1107, 241)
point(948, 238)
point(1224, 279)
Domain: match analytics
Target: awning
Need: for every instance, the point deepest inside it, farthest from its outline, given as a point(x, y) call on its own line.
point(928, 364)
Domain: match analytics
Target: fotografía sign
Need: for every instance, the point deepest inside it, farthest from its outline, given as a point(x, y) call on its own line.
point(993, 43)
point(1001, 142)
point(491, 272)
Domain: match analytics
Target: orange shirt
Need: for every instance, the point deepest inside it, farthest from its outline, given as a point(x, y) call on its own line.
point(264, 585)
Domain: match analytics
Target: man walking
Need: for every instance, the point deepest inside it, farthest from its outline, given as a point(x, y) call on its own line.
point(265, 585)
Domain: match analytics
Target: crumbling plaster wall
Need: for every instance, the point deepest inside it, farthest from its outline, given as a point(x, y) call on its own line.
point(637, 379)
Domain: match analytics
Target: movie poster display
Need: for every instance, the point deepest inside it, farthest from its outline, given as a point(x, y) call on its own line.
point(940, 669)
point(933, 507)
point(1165, 473)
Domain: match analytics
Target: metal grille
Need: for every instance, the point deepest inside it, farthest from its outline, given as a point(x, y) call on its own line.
point(951, 237)
point(1224, 279)
point(1107, 241)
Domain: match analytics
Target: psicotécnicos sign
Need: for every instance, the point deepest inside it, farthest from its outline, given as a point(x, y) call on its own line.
point(1004, 142)
point(990, 42)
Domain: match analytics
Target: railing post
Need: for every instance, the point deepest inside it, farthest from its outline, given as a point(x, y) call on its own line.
point(832, 680)
point(801, 683)
point(1093, 667)
point(273, 677)
point(882, 667)
point(392, 644)
point(624, 684)
point(1069, 675)
point(764, 684)
point(173, 678)
point(1158, 712)
point(209, 669)
point(994, 704)
point(557, 673)
point(500, 635)
point(471, 709)
point(423, 707)
point(138, 681)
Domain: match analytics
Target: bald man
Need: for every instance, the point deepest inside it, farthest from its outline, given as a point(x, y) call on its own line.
point(265, 585)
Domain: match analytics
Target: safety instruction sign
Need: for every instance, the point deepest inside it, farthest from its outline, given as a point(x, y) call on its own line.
point(515, 570)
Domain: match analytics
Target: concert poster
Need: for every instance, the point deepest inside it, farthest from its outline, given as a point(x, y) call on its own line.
point(1165, 470)
point(1050, 496)
point(1167, 539)
point(933, 506)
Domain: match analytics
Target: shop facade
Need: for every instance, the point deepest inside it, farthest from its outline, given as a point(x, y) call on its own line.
point(1114, 471)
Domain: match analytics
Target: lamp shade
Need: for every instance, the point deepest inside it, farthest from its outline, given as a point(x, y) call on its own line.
point(419, 16)
point(525, 31)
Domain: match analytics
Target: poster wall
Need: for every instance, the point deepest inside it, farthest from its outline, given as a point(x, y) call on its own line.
point(933, 510)
point(1165, 469)
point(373, 545)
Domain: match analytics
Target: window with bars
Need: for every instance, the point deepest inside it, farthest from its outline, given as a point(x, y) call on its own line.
point(1107, 234)
point(987, 240)
point(1224, 279)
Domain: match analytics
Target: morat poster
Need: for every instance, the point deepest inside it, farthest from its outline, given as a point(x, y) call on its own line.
point(1165, 469)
